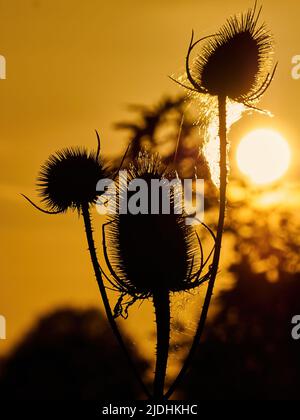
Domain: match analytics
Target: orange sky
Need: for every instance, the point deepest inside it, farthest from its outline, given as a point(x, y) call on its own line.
point(72, 66)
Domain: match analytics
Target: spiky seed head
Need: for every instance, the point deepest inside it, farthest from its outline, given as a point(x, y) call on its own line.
point(68, 179)
point(234, 62)
point(150, 252)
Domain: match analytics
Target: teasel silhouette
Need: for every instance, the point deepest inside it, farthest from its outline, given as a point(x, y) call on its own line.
point(152, 255)
point(232, 66)
point(67, 181)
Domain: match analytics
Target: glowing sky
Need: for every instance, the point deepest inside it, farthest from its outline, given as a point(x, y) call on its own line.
point(72, 66)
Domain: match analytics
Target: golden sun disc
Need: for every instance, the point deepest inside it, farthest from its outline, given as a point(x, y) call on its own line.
point(264, 156)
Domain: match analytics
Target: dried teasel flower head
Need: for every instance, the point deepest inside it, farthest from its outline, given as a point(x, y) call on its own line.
point(234, 62)
point(147, 253)
point(67, 180)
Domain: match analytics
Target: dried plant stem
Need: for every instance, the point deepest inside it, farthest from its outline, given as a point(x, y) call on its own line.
point(216, 258)
point(93, 254)
point(161, 302)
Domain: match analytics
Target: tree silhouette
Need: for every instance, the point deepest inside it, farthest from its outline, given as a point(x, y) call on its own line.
point(69, 355)
point(248, 351)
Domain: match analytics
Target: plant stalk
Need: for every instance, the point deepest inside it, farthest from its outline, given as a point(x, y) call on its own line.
point(161, 302)
point(218, 243)
point(93, 254)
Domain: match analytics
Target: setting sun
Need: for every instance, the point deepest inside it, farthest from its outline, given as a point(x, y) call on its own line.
point(263, 155)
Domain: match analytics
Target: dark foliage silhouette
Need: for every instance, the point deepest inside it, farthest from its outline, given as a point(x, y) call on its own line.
point(69, 355)
point(180, 145)
point(248, 351)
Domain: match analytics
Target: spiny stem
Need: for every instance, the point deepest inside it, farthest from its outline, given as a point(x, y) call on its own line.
point(110, 317)
point(216, 258)
point(161, 301)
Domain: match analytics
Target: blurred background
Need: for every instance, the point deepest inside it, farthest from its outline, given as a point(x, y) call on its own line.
point(73, 67)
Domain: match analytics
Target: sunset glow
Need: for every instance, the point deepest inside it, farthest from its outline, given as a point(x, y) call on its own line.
point(264, 156)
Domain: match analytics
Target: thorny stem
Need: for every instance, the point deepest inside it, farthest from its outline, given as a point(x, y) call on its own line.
point(216, 258)
point(161, 302)
point(98, 274)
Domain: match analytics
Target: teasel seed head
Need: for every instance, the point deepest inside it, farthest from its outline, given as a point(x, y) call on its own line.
point(68, 179)
point(147, 253)
point(234, 62)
